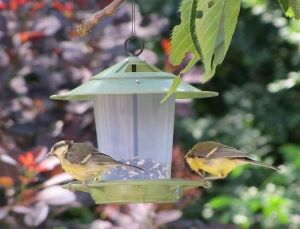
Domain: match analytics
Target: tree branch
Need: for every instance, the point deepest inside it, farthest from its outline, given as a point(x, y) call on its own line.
point(87, 25)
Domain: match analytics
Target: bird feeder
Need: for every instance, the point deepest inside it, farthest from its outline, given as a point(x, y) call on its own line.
point(134, 127)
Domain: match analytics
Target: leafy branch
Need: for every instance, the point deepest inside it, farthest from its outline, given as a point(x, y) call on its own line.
point(205, 31)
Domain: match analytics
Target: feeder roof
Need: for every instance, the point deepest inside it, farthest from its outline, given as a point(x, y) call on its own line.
point(132, 76)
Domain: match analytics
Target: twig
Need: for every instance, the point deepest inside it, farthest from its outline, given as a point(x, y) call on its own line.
point(87, 25)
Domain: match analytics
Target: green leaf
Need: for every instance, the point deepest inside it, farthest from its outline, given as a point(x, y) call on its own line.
point(215, 23)
point(291, 8)
point(205, 30)
point(182, 44)
point(291, 154)
point(172, 90)
point(220, 202)
point(181, 41)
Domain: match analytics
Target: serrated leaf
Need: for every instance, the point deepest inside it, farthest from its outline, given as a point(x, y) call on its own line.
point(206, 31)
point(215, 23)
point(182, 44)
point(181, 41)
point(172, 90)
point(291, 8)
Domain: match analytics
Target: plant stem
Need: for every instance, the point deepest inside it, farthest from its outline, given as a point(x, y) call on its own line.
point(87, 25)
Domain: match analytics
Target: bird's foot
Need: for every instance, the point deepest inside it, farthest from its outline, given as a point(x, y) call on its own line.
point(85, 184)
point(201, 174)
point(70, 185)
point(213, 178)
point(97, 179)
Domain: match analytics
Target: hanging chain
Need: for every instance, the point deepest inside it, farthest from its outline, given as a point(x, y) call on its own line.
point(133, 31)
point(134, 38)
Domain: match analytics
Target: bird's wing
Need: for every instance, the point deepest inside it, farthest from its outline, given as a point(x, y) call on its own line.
point(101, 158)
point(205, 149)
point(75, 157)
point(212, 149)
point(228, 152)
point(81, 153)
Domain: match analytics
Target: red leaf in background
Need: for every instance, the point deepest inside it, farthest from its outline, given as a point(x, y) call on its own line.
point(67, 9)
point(27, 159)
point(2, 5)
point(167, 48)
point(166, 45)
point(15, 4)
point(58, 5)
point(29, 196)
point(29, 35)
point(81, 2)
point(39, 104)
point(37, 6)
point(6, 182)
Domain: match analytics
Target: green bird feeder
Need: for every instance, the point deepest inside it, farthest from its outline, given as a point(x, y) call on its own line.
point(134, 127)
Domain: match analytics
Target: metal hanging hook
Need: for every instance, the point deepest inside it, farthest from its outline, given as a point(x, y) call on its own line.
point(135, 51)
point(136, 43)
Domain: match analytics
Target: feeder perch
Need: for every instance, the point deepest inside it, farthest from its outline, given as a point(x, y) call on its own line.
point(135, 128)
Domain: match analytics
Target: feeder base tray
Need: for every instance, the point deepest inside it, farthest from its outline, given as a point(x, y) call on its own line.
point(138, 191)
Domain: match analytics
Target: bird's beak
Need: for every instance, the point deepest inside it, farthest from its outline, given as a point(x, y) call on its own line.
point(50, 154)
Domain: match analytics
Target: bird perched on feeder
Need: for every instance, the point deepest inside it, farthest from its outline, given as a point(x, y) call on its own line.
point(218, 159)
point(83, 161)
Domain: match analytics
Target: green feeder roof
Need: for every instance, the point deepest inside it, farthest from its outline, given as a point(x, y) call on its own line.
point(132, 76)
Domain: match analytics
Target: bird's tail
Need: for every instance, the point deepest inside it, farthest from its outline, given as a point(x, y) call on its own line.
point(134, 166)
point(129, 166)
point(263, 164)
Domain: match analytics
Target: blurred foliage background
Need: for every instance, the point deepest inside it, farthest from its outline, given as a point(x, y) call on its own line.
point(257, 111)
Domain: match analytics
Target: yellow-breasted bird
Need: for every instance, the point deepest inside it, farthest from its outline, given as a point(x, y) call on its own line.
point(218, 159)
point(83, 161)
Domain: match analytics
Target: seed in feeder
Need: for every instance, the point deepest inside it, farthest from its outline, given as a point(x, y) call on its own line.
point(152, 170)
point(132, 173)
point(156, 166)
point(141, 162)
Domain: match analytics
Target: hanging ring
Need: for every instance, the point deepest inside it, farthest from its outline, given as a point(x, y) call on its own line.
point(134, 41)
